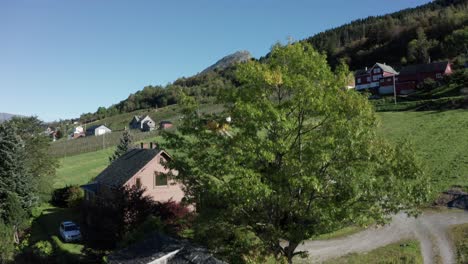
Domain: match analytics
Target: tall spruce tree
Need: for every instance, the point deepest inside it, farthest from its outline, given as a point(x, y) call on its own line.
point(18, 189)
point(123, 146)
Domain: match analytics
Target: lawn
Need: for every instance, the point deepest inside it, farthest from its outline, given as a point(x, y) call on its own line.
point(81, 168)
point(45, 226)
point(440, 141)
point(402, 252)
point(459, 235)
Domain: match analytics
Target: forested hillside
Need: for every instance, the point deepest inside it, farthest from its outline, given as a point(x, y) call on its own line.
point(435, 31)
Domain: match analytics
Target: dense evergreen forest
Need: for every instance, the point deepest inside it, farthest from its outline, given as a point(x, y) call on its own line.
point(431, 32)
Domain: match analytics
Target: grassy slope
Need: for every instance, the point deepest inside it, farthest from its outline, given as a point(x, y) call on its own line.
point(439, 139)
point(402, 252)
point(459, 236)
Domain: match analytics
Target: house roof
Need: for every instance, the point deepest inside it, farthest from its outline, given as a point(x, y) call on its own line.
point(386, 68)
point(420, 68)
point(122, 169)
point(157, 246)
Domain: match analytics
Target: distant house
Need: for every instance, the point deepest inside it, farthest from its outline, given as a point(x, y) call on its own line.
point(411, 75)
point(165, 125)
point(378, 79)
point(97, 130)
point(141, 167)
point(144, 123)
point(158, 248)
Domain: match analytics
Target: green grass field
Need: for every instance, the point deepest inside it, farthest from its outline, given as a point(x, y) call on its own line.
point(403, 252)
point(440, 141)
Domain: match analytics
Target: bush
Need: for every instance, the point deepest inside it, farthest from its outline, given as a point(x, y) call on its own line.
point(43, 249)
point(70, 196)
point(427, 85)
point(152, 224)
point(175, 216)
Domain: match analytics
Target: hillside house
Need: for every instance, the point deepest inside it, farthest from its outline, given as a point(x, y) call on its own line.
point(377, 80)
point(97, 130)
point(143, 167)
point(165, 125)
point(411, 75)
point(383, 79)
point(144, 123)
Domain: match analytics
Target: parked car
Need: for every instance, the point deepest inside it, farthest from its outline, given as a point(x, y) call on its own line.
point(70, 231)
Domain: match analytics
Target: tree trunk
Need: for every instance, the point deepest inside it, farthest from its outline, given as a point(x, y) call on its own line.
point(289, 250)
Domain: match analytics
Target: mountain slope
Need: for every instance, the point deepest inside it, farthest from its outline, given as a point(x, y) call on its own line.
point(229, 60)
point(5, 117)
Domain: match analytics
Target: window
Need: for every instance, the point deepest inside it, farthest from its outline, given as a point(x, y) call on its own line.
point(382, 80)
point(377, 70)
point(160, 179)
point(439, 75)
point(389, 79)
point(358, 80)
point(368, 79)
point(376, 77)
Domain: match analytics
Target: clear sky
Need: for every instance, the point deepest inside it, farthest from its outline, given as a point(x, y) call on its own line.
point(59, 58)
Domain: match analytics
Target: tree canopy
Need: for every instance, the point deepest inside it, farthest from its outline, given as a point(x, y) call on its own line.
point(301, 157)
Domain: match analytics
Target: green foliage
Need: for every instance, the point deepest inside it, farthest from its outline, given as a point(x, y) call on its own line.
point(150, 225)
point(43, 249)
point(300, 158)
point(70, 196)
point(123, 147)
point(37, 156)
point(390, 37)
point(7, 247)
point(16, 181)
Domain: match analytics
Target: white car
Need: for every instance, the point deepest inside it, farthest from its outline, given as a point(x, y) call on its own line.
point(70, 231)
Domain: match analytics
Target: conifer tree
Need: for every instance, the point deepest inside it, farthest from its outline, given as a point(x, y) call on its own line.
point(123, 146)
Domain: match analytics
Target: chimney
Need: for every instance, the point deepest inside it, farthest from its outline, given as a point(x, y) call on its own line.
point(141, 145)
point(151, 145)
point(366, 68)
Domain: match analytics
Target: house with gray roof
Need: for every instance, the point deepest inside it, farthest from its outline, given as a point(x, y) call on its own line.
point(144, 123)
point(143, 167)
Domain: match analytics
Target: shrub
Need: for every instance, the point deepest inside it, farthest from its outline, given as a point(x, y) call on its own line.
point(175, 216)
point(151, 225)
point(43, 249)
point(70, 196)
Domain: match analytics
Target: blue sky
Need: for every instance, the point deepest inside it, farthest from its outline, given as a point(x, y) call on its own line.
point(59, 59)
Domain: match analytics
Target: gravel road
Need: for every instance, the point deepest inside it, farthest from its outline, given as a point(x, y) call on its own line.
point(430, 228)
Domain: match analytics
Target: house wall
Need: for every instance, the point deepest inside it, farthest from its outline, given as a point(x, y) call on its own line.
point(147, 179)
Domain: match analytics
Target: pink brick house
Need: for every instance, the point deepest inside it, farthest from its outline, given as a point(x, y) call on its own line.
point(142, 167)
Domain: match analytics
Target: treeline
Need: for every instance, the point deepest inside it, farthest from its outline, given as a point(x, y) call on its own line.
point(434, 31)
point(202, 86)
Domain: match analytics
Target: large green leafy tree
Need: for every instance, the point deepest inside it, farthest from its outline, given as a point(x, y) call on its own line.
point(302, 156)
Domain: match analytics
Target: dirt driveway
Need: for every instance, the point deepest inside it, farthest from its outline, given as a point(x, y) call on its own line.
point(430, 228)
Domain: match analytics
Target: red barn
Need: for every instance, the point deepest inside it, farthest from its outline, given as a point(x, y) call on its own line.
point(378, 79)
point(410, 76)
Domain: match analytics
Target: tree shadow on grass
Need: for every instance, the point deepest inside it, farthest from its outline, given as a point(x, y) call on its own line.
point(45, 227)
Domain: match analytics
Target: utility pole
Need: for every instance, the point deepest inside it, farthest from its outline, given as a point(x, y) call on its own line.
point(394, 88)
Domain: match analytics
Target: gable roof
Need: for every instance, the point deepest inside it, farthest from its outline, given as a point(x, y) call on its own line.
point(423, 68)
point(158, 246)
point(385, 67)
point(122, 169)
